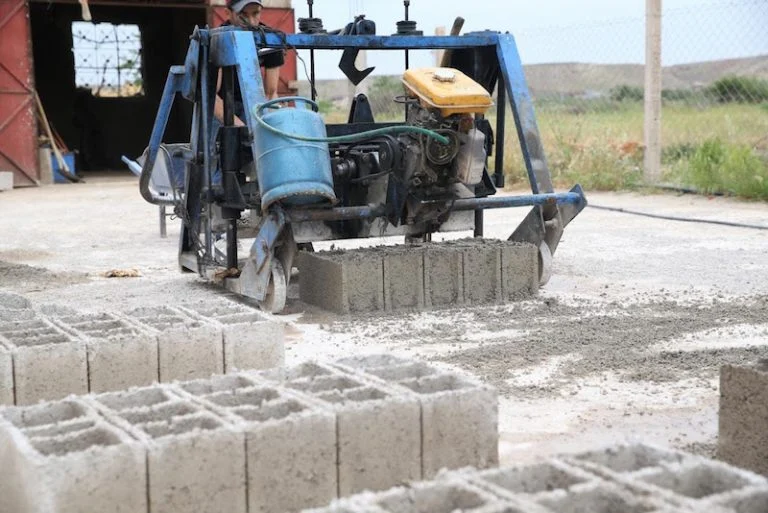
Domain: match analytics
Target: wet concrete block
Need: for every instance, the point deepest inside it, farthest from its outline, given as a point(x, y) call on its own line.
point(6, 377)
point(290, 443)
point(48, 363)
point(459, 422)
point(443, 276)
point(195, 460)
point(60, 457)
point(120, 354)
point(519, 270)
point(342, 282)
point(482, 272)
point(743, 420)
point(403, 278)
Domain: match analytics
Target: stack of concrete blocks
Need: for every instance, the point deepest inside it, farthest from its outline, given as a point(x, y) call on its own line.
point(743, 419)
point(56, 352)
point(390, 278)
point(279, 440)
point(448, 440)
point(623, 479)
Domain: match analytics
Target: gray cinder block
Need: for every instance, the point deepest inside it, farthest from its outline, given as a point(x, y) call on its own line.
point(403, 277)
point(60, 457)
point(188, 348)
point(48, 363)
point(743, 420)
point(444, 496)
point(459, 416)
point(290, 443)
point(443, 276)
point(379, 432)
point(531, 480)
point(342, 282)
point(6, 377)
point(250, 342)
point(482, 272)
point(195, 460)
point(120, 354)
point(519, 270)
point(599, 497)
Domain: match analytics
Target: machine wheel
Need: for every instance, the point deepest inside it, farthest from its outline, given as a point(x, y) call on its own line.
point(545, 264)
point(277, 290)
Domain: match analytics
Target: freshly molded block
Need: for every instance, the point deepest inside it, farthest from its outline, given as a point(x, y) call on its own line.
point(482, 274)
point(190, 351)
point(743, 420)
point(403, 278)
point(519, 270)
point(443, 276)
point(252, 344)
point(342, 282)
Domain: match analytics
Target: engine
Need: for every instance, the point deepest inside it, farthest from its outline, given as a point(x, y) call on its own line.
point(444, 100)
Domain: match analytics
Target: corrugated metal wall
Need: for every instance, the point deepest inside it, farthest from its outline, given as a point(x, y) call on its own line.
point(18, 124)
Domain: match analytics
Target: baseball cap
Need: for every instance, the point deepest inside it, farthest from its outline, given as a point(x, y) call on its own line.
point(239, 5)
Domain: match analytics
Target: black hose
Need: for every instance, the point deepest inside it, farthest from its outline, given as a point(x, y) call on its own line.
point(681, 219)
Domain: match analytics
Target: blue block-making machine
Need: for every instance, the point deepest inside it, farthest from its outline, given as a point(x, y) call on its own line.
point(288, 179)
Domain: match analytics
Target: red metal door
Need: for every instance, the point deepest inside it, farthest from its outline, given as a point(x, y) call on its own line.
point(18, 125)
point(281, 19)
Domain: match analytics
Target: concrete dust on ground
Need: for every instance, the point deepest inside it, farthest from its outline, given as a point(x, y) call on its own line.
point(624, 343)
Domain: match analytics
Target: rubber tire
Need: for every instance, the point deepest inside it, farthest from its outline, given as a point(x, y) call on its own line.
point(545, 264)
point(277, 290)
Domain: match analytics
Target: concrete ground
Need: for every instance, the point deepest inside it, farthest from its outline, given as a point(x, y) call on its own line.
point(624, 343)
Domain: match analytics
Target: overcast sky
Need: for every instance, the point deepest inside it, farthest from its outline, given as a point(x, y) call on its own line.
point(599, 31)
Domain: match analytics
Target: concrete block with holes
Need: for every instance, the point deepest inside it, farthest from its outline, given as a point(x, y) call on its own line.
point(188, 348)
point(250, 340)
point(61, 457)
point(48, 363)
point(120, 353)
point(342, 282)
point(403, 277)
point(459, 415)
point(290, 442)
point(378, 430)
point(195, 460)
point(743, 419)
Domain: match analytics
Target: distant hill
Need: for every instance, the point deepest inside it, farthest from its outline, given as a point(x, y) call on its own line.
point(585, 79)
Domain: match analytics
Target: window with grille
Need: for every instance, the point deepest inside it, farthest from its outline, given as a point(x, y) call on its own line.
point(108, 59)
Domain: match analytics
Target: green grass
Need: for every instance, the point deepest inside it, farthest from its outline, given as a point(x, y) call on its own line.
point(599, 145)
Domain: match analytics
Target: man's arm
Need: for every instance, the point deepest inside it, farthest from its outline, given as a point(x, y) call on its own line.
point(271, 82)
point(218, 105)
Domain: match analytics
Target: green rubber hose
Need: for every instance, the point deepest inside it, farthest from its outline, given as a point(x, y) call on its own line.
point(257, 110)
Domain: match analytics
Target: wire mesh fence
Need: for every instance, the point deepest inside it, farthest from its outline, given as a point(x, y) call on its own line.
point(587, 82)
point(588, 85)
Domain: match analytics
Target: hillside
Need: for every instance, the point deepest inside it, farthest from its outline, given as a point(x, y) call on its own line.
point(581, 78)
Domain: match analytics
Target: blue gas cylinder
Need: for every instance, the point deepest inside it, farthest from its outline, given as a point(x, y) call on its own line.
point(291, 171)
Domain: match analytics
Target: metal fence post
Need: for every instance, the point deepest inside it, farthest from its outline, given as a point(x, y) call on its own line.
point(652, 96)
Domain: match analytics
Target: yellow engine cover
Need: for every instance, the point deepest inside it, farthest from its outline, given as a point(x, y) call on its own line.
point(448, 90)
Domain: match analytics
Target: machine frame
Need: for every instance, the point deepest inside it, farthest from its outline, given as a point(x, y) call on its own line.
point(490, 58)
